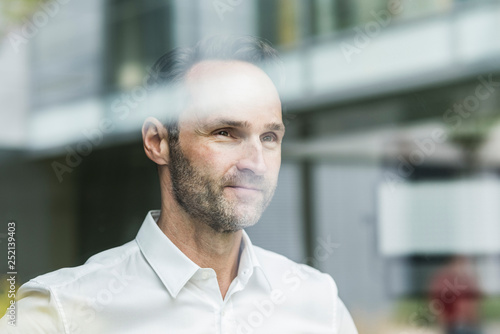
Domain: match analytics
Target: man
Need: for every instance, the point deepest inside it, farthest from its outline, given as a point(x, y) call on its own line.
point(192, 268)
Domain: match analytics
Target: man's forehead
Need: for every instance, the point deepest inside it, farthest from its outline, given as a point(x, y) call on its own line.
point(228, 88)
point(220, 70)
point(228, 76)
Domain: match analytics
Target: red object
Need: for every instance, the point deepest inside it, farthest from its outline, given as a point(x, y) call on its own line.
point(455, 296)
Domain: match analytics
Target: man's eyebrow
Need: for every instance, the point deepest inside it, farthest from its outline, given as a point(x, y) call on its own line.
point(227, 122)
point(275, 126)
point(245, 124)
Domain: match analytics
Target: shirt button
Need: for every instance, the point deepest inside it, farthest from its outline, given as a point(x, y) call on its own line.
point(223, 313)
point(245, 272)
point(205, 275)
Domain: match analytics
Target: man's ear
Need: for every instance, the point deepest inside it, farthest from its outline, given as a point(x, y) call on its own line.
point(155, 141)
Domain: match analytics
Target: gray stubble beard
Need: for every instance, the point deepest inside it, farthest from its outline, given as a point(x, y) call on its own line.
point(202, 198)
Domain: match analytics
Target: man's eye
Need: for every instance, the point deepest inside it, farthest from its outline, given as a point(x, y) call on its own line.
point(222, 133)
point(269, 138)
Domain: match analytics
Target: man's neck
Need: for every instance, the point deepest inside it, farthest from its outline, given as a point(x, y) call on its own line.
point(203, 245)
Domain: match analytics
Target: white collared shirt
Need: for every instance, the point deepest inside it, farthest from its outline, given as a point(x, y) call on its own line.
point(149, 286)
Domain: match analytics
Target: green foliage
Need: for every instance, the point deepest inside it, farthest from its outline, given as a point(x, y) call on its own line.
point(4, 295)
point(12, 13)
point(15, 10)
point(407, 307)
point(490, 308)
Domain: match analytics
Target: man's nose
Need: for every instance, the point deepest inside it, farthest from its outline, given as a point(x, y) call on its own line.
point(252, 157)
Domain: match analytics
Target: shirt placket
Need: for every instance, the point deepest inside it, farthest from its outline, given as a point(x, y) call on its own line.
point(227, 317)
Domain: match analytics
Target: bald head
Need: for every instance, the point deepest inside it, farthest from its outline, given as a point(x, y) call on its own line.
point(227, 87)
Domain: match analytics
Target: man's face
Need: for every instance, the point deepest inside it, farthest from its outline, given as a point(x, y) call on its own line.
point(225, 166)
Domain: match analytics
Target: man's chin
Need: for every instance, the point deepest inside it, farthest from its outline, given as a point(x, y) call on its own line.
point(239, 220)
point(234, 226)
point(247, 216)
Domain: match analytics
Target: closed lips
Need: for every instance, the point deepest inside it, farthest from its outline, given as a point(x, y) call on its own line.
point(246, 187)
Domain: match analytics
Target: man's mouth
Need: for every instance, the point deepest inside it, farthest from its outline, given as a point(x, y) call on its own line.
point(245, 187)
point(244, 191)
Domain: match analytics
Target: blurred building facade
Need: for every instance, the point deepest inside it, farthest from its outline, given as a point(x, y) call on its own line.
point(378, 94)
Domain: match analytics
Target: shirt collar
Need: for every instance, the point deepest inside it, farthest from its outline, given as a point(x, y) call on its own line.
point(172, 266)
point(175, 269)
point(250, 265)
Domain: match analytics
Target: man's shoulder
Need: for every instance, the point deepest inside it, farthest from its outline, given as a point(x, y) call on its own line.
point(98, 266)
point(267, 257)
point(279, 269)
point(280, 262)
